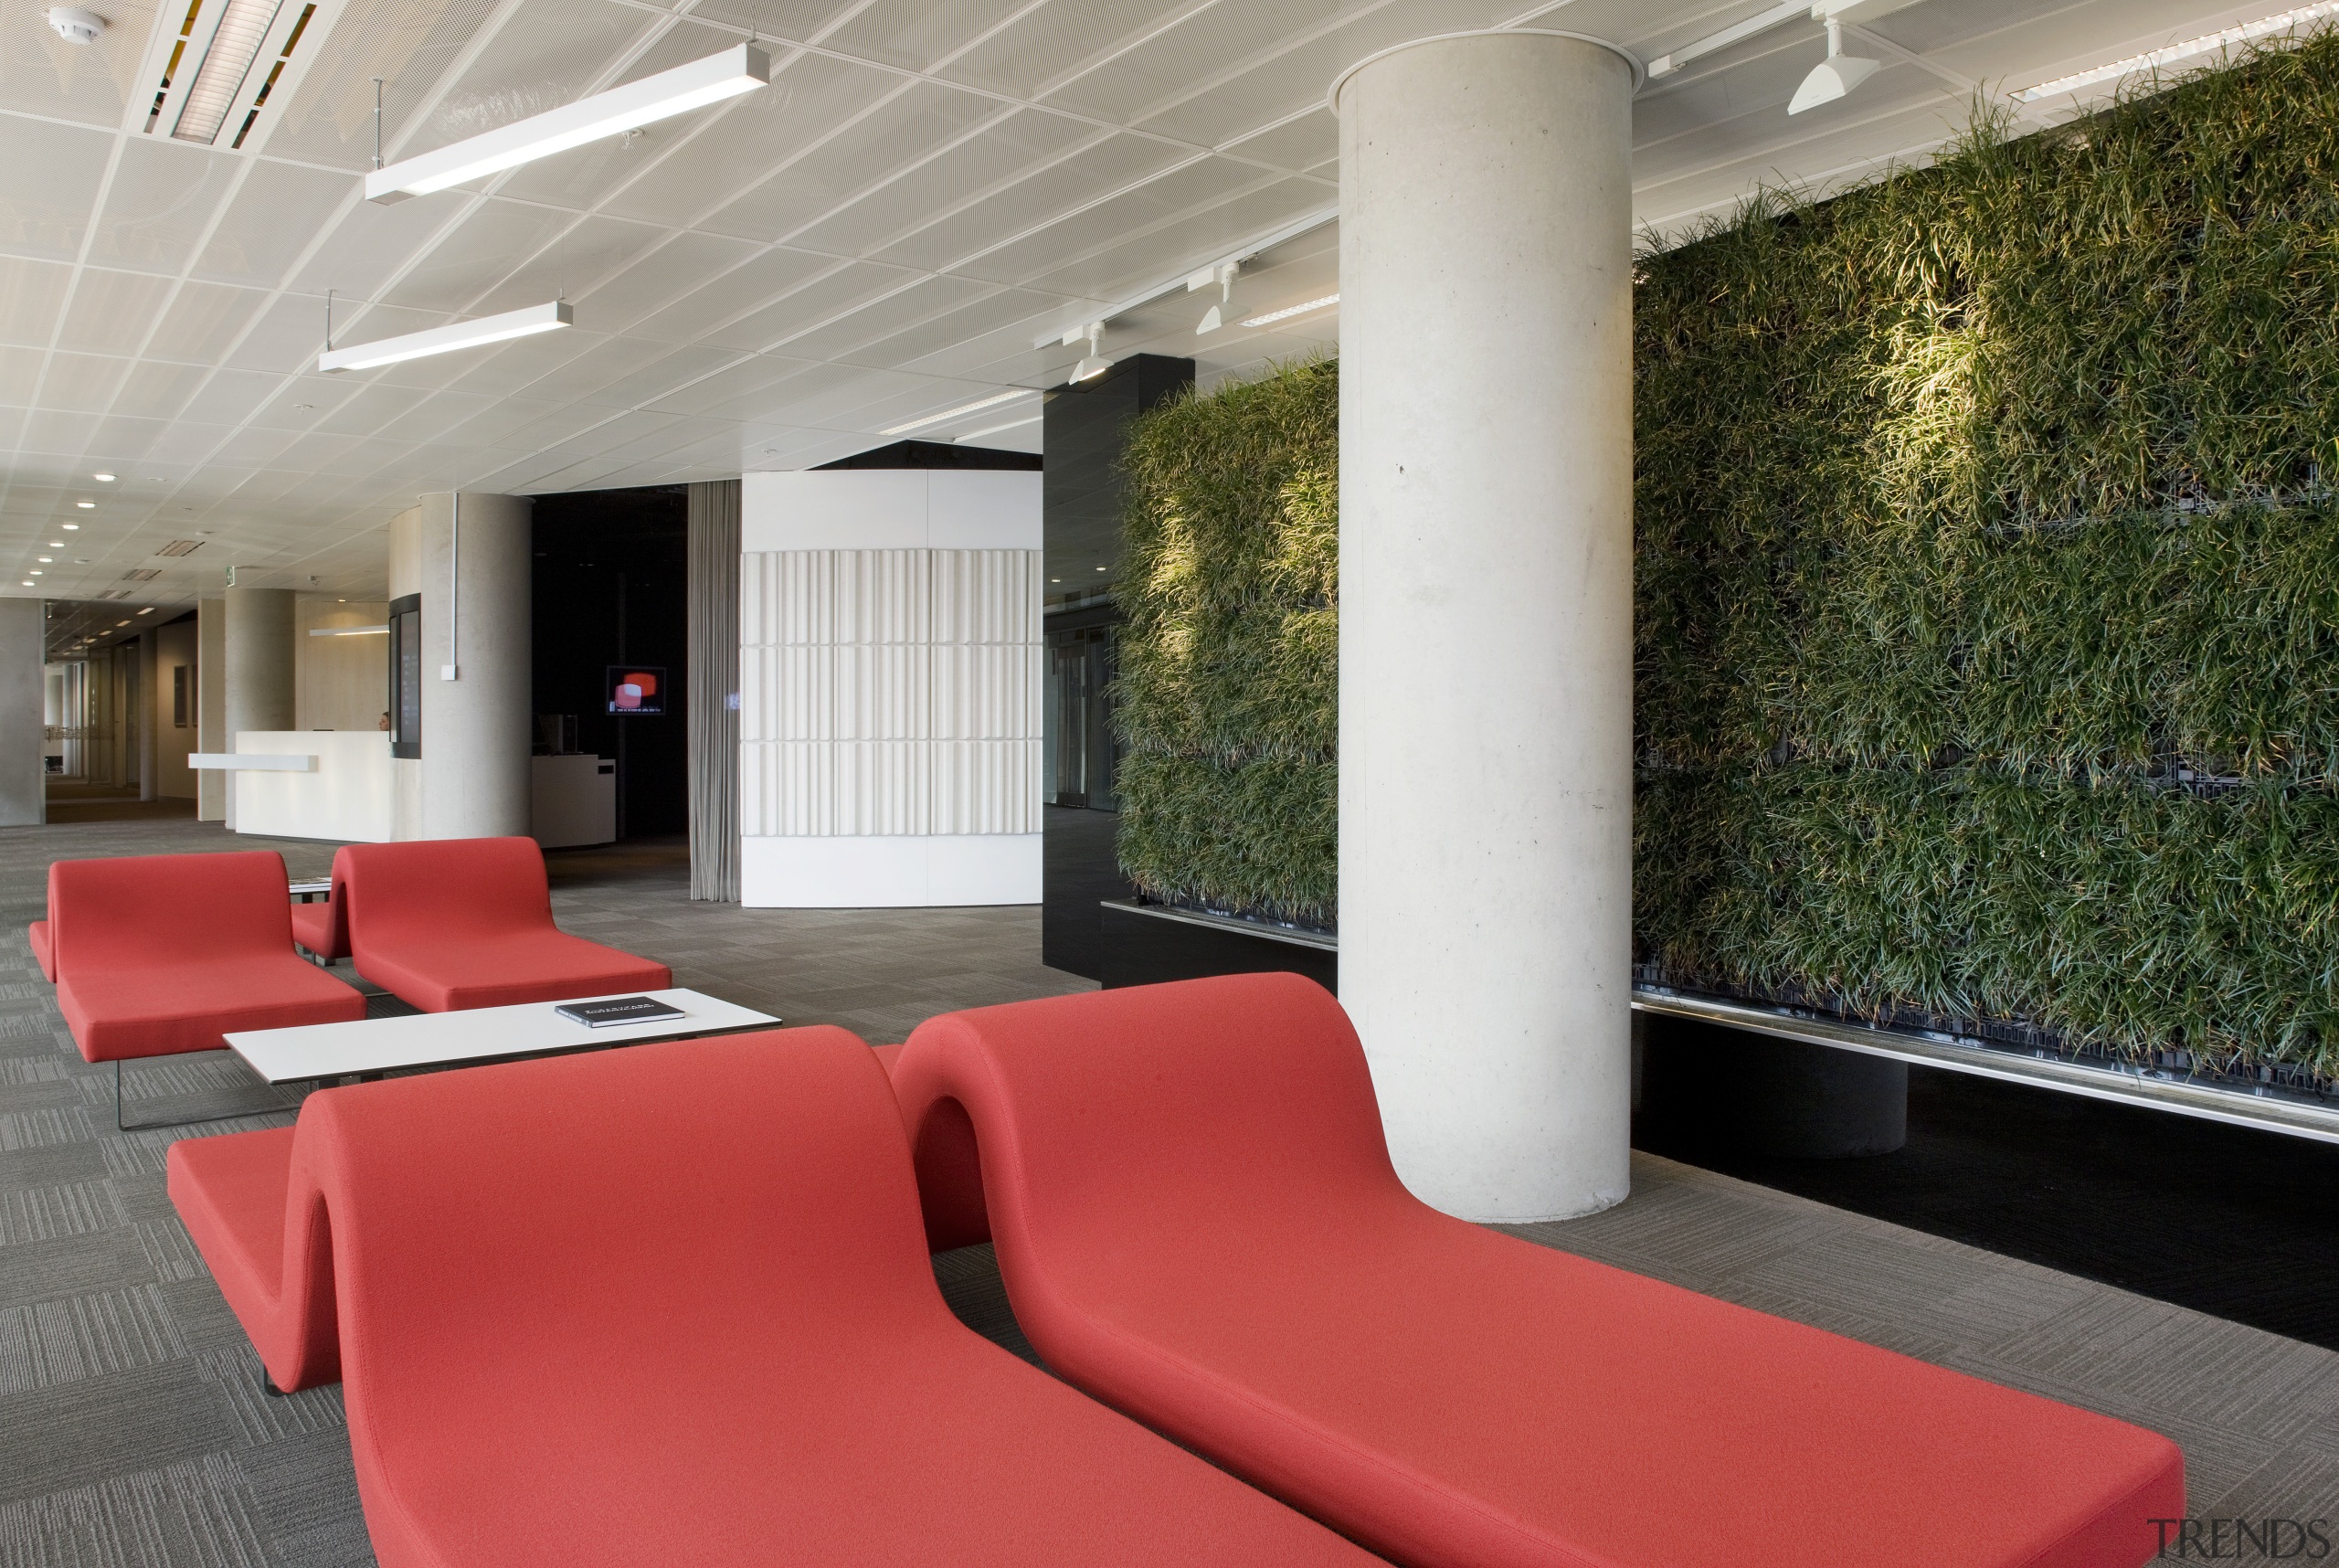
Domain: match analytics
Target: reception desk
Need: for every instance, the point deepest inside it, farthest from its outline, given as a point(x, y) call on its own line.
point(309, 784)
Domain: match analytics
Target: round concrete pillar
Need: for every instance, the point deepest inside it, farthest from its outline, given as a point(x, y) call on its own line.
point(1485, 614)
point(259, 655)
point(470, 562)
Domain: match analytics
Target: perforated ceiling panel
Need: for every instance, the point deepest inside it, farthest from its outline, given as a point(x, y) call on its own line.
point(926, 190)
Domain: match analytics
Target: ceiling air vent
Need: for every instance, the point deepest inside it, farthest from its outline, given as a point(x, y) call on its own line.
point(115, 593)
point(181, 547)
point(141, 573)
point(231, 61)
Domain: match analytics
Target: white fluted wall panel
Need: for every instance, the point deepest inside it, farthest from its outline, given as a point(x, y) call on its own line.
point(890, 693)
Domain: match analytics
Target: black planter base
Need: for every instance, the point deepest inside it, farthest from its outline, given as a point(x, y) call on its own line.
point(1146, 950)
point(1705, 1087)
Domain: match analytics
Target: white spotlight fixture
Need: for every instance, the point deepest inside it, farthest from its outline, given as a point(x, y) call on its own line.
point(75, 24)
point(991, 402)
point(2208, 43)
point(549, 317)
point(736, 70)
point(1222, 277)
point(1289, 311)
point(1833, 77)
point(1095, 364)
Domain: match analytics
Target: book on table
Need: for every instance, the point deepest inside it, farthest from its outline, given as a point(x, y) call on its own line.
point(618, 1010)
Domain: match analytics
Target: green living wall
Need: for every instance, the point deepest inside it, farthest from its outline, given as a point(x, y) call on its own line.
point(1988, 611)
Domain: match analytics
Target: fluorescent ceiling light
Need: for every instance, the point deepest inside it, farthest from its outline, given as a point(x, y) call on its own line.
point(993, 401)
point(994, 429)
point(2208, 43)
point(1833, 77)
point(1289, 311)
point(235, 44)
point(671, 92)
point(548, 317)
point(103, 478)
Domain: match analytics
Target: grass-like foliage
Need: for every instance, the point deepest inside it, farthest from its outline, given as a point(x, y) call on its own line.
point(1987, 602)
point(1982, 516)
point(1226, 700)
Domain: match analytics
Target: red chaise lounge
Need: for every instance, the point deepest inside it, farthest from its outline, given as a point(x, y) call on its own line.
point(44, 952)
point(672, 1304)
point(1198, 1221)
point(163, 954)
point(447, 923)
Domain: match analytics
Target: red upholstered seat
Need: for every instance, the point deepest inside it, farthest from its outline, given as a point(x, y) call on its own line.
point(159, 953)
point(43, 955)
point(455, 923)
point(324, 927)
point(1197, 1219)
point(273, 1260)
point(670, 1304)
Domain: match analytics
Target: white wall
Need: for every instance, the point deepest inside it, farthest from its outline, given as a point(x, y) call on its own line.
point(889, 704)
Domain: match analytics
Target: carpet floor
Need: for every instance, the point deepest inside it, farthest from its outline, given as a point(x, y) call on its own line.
point(134, 1431)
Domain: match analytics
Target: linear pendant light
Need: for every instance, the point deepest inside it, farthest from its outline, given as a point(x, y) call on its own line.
point(736, 70)
point(548, 317)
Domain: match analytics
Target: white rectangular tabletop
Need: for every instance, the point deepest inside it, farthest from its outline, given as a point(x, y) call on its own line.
point(477, 1034)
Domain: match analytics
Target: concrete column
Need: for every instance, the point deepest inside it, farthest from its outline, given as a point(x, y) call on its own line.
point(1485, 614)
point(24, 788)
point(260, 667)
point(472, 780)
point(210, 705)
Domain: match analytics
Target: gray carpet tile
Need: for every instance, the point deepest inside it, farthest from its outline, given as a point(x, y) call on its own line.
point(134, 1431)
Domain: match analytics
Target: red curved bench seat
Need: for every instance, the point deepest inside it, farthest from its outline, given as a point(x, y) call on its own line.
point(272, 1257)
point(671, 1304)
point(324, 927)
point(159, 953)
point(43, 954)
point(1197, 1220)
point(447, 924)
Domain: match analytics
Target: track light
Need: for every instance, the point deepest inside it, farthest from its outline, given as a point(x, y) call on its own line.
point(1095, 364)
point(736, 70)
point(1833, 77)
point(1222, 277)
point(446, 339)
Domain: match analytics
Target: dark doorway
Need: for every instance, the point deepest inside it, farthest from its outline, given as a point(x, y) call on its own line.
point(611, 589)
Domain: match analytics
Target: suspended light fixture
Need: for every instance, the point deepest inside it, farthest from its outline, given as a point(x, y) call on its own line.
point(548, 317)
point(1095, 364)
point(736, 70)
point(1833, 77)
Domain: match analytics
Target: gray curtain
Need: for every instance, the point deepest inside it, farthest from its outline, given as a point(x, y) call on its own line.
point(713, 684)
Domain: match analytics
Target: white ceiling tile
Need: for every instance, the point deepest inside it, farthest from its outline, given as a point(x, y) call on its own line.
point(204, 322)
point(157, 389)
point(965, 176)
point(49, 184)
point(270, 221)
point(20, 374)
point(725, 387)
point(112, 312)
point(82, 381)
point(920, 33)
point(1307, 142)
point(820, 179)
point(1057, 258)
point(922, 301)
point(330, 119)
point(493, 238)
point(1059, 38)
point(954, 238)
point(40, 73)
point(31, 295)
point(658, 279)
point(164, 195)
point(732, 294)
point(810, 97)
point(852, 285)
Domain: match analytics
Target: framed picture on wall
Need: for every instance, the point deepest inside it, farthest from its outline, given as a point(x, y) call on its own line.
point(637, 691)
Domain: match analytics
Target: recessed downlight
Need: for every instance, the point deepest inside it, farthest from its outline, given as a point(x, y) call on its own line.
point(148, 610)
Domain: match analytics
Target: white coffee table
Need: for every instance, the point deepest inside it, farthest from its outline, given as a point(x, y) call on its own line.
point(312, 1051)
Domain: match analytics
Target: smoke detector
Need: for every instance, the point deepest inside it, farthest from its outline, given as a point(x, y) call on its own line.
point(74, 25)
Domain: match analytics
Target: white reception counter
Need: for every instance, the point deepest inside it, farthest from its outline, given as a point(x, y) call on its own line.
point(310, 784)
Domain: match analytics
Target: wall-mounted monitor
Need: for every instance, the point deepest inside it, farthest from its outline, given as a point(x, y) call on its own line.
point(406, 677)
point(637, 691)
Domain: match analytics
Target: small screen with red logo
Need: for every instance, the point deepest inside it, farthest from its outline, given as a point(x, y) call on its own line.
point(637, 689)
